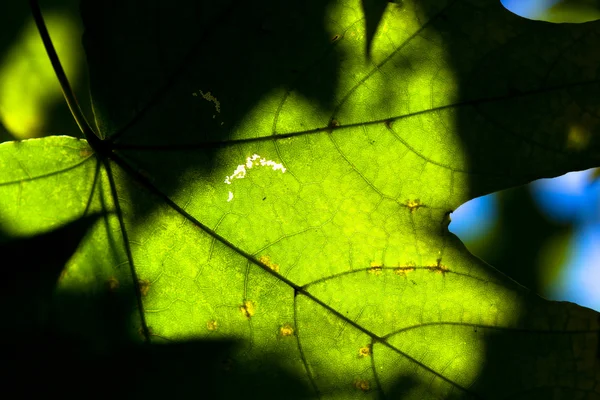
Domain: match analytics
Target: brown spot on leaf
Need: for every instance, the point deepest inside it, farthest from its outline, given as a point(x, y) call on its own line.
point(112, 284)
point(144, 286)
point(62, 275)
point(439, 268)
point(362, 384)
point(85, 153)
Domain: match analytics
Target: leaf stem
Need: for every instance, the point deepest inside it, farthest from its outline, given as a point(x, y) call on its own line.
point(136, 283)
point(70, 98)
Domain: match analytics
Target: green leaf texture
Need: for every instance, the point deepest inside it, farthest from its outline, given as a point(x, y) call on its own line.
point(264, 180)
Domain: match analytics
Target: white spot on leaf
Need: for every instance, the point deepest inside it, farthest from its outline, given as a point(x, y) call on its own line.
point(253, 161)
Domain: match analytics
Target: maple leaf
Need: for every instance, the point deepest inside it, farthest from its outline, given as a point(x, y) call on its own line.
point(279, 177)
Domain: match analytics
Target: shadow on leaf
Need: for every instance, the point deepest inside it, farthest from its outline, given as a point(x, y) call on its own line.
point(69, 343)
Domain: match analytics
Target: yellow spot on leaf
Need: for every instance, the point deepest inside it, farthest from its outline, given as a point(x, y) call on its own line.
point(364, 351)
point(442, 269)
point(362, 384)
point(212, 325)
point(248, 309)
point(267, 261)
point(578, 138)
point(376, 268)
point(579, 125)
point(439, 268)
point(286, 330)
point(403, 271)
point(413, 205)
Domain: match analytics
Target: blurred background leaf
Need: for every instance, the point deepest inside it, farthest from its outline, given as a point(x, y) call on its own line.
point(556, 11)
point(552, 224)
point(31, 102)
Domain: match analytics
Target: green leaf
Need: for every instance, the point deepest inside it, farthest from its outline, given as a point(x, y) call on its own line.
point(572, 11)
point(266, 183)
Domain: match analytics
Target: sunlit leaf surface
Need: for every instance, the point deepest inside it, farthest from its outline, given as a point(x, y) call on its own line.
point(28, 86)
point(269, 183)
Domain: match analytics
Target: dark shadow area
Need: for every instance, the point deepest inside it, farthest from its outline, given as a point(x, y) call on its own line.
point(5, 135)
point(74, 344)
point(153, 67)
point(524, 93)
point(403, 387)
point(172, 83)
point(520, 236)
point(519, 83)
point(373, 10)
point(538, 363)
point(33, 268)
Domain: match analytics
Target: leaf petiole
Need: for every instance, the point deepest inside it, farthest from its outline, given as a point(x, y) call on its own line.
point(92, 138)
